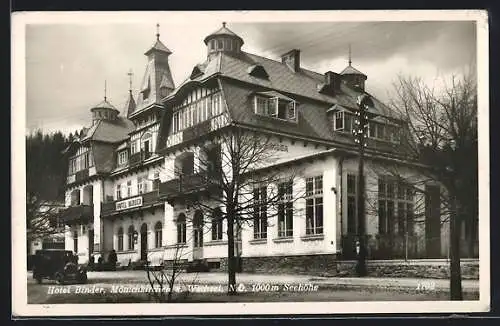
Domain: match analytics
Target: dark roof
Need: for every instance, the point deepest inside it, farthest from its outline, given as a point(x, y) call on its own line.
point(301, 86)
point(130, 104)
point(222, 31)
point(158, 46)
point(311, 120)
point(104, 105)
point(110, 131)
point(350, 70)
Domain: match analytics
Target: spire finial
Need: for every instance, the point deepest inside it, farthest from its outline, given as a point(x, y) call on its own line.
point(223, 24)
point(105, 98)
point(157, 31)
point(130, 74)
point(350, 61)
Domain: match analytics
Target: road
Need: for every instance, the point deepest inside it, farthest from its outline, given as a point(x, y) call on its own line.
point(133, 286)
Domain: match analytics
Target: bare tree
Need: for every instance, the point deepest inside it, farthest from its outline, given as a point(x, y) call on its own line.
point(42, 217)
point(243, 187)
point(444, 125)
point(165, 279)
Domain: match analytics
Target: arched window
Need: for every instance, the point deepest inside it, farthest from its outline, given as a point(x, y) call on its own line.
point(158, 235)
point(217, 224)
point(181, 228)
point(198, 228)
point(120, 239)
point(131, 241)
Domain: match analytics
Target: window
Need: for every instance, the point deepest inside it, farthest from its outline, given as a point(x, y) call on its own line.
point(285, 209)
point(220, 45)
point(217, 225)
point(129, 188)
point(131, 240)
point(158, 235)
point(120, 239)
point(181, 228)
point(343, 121)
point(122, 157)
point(339, 121)
point(384, 132)
point(386, 197)
point(263, 105)
point(199, 108)
point(352, 204)
point(133, 147)
point(314, 205)
point(212, 45)
point(156, 181)
point(147, 144)
point(75, 241)
point(198, 229)
point(141, 185)
point(405, 208)
point(260, 213)
point(118, 192)
point(275, 107)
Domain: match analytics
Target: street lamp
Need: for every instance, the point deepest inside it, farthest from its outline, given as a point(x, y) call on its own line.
point(360, 131)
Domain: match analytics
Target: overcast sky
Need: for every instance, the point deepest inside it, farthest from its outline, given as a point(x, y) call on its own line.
point(67, 64)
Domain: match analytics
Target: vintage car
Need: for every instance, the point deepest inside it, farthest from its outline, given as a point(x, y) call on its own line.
point(59, 265)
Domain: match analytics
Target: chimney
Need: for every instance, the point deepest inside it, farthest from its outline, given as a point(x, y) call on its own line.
point(331, 85)
point(292, 59)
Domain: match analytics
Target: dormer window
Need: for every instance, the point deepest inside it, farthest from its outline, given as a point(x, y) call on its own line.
point(343, 121)
point(275, 105)
point(258, 71)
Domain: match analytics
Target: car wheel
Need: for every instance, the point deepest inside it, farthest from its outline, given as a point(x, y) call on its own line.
point(83, 279)
point(38, 279)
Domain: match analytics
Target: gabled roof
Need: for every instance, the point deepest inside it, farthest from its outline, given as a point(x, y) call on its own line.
point(350, 70)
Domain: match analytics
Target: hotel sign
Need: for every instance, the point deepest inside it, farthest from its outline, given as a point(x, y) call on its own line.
point(129, 203)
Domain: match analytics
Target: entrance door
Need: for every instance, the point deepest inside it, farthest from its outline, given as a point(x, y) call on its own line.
point(144, 242)
point(198, 235)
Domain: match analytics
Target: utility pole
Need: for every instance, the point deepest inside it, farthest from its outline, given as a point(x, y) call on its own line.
point(360, 135)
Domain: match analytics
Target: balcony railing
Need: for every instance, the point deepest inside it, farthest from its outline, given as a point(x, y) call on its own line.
point(130, 203)
point(139, 157)
point(78, 213)
point(187, 184)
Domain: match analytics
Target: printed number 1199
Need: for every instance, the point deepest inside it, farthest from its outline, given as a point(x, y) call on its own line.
point(426, 286)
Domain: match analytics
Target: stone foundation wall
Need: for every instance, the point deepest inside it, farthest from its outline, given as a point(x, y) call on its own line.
point(422, 269)
point(328, 265)
point(303, 264)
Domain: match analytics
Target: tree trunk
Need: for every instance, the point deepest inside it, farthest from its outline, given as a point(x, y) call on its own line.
point(231, 270)
point(455, 273)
